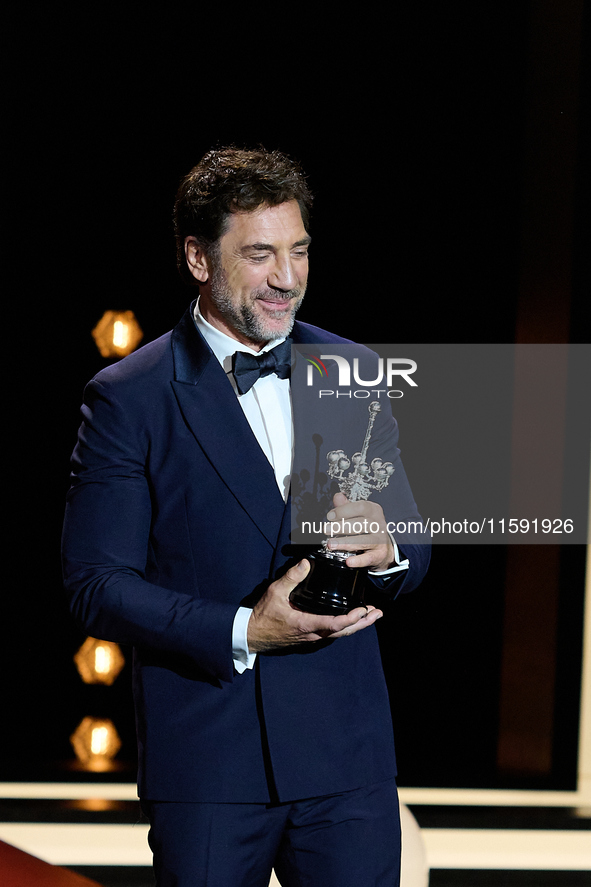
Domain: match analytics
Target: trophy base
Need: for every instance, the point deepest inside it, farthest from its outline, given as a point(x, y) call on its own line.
point(330, 588)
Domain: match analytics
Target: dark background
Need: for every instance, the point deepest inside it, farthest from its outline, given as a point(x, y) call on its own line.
point(419, 128)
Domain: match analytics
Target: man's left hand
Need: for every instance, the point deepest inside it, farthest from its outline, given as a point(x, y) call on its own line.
point(360, 526)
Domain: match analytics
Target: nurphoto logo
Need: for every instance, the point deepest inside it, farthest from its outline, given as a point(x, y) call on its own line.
point(387, 370)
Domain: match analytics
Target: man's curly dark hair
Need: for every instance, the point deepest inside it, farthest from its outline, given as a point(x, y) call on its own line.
point(229, 180)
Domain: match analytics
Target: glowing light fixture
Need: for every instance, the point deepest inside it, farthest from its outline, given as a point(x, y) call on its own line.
point(96, 742)
point(99, 662)
point(94, 804)
point(117, 333)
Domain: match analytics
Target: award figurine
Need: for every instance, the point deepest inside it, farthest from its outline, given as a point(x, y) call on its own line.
point(331, 587)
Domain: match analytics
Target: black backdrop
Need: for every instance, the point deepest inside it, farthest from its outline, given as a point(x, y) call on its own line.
point(410, 124)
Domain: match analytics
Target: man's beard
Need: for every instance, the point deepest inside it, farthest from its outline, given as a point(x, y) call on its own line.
point(244, 319)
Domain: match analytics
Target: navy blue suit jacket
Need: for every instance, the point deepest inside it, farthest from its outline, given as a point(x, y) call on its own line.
point(173, 519)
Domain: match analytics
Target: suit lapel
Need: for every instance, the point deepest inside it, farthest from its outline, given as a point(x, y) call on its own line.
point(212, 412)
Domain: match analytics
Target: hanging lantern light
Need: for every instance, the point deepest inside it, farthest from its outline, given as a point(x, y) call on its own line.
point(117, 333)
point(95, 742)
point(99, 662)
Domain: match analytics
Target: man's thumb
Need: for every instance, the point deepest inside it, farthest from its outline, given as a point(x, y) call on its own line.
point(296, 574)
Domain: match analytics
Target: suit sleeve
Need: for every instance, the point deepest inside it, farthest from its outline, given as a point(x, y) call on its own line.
point(402, 515)
point(106, 541)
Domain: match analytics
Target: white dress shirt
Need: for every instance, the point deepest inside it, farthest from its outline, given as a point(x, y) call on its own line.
point(267, 407)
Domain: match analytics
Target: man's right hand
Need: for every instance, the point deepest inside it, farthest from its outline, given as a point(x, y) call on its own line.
point(275, 622)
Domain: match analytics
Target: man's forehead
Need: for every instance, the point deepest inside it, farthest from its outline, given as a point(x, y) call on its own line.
point(283, 219)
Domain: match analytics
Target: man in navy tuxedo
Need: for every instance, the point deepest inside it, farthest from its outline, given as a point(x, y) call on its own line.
point(264, 733)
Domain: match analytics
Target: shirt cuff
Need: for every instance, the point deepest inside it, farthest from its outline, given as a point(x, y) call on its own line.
point(398, 564)
point(243, 659)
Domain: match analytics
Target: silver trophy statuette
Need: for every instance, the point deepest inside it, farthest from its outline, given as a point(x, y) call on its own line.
point(331, 587)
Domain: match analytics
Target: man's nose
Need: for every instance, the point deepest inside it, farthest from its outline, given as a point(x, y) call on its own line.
point(282, 275)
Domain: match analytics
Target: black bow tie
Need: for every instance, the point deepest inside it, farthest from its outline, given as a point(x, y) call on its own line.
point(247, 368)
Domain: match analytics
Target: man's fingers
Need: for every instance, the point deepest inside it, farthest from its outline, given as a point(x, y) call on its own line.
point(345, 542)
point(338, 500)
point(329, 626)
point(350, 619)
point(346, 508)
point(365, 616)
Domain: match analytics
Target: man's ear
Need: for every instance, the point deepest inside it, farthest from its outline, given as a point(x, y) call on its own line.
point(196, 260)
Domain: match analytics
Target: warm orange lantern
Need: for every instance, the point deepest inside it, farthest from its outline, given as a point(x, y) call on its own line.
point(117, 333)
point(99, 662)
point(96, 742)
